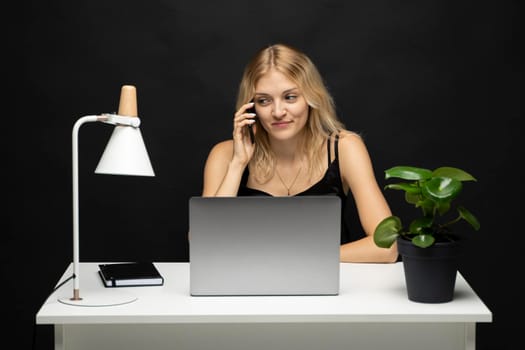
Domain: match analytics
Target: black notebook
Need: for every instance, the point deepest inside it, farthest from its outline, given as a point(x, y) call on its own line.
point(130, 274)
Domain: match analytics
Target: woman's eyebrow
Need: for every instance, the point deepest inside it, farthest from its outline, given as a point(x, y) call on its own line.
point(294, 89)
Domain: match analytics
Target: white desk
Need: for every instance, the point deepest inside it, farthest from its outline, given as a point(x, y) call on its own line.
point(371, 312)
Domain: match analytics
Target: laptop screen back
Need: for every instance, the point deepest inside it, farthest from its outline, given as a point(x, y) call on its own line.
point(262, 245)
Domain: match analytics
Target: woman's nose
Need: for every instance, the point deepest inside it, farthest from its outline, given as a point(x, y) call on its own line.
point(279, 110)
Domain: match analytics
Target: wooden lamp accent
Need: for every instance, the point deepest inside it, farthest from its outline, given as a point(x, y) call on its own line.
point(128, 101)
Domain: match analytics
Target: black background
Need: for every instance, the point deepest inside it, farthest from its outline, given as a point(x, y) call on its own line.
point(427, 83)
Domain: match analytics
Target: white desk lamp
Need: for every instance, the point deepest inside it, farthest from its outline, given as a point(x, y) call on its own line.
point(125, 154)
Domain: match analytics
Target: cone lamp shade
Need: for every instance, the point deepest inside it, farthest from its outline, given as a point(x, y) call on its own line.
point(126, 153)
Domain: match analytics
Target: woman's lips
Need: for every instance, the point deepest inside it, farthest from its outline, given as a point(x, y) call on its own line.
point(281, 124)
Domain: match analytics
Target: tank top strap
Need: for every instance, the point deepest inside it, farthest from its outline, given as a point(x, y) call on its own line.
point(336, 147)
point(328, 142)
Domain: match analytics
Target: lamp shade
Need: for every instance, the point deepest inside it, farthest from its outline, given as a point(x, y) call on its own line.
point(125, 154)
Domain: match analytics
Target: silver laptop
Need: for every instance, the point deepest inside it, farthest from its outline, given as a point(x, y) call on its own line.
point(263, 245)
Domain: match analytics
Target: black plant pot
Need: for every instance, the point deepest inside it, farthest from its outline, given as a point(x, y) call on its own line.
point(430, 273)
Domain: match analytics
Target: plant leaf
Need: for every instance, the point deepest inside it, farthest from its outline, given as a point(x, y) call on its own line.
point(441, 189)
point(453, 173)
point(427, 205)
point(408, 173)
point(423, 241)
point(443, 207)
point(418, 225)
point(413, 198)
point(469, 217)
point(387, 231)
point(405, 186)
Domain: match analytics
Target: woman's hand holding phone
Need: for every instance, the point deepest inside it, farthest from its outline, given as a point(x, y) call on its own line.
point(243, 135)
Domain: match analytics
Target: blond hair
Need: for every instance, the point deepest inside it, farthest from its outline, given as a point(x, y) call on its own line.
point(322, 118)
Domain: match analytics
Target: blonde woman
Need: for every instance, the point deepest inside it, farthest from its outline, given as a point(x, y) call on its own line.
point(288, 141)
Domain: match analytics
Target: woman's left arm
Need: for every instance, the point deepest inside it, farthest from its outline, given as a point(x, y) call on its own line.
point(358, 177)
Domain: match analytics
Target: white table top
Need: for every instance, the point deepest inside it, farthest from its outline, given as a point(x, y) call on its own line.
point(368, 293)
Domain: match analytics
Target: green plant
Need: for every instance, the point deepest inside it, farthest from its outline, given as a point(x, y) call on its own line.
point(434, 193)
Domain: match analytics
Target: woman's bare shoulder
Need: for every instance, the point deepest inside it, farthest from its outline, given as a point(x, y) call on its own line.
point(350, 139)
point(219, 154)
point(222, 148)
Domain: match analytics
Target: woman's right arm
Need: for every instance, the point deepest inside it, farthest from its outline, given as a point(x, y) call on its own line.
point(222, 173)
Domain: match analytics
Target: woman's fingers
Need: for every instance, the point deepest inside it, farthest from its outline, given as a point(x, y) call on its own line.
point(243, 119)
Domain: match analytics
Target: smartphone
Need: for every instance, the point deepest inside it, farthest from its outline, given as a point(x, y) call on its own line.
point(250, 130)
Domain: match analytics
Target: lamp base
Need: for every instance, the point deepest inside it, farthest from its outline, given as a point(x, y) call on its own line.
point(96, 299)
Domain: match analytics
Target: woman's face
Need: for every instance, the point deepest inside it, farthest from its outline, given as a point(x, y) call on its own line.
point(280, 106)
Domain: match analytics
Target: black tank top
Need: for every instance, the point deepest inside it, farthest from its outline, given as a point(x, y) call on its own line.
point(330, 184)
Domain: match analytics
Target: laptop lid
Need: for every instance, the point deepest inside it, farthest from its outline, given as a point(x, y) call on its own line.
point(263, 245)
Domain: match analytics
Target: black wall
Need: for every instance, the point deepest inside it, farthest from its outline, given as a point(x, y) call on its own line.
point(427, 83)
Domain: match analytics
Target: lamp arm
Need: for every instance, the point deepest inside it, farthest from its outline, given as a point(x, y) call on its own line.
point(76, 261)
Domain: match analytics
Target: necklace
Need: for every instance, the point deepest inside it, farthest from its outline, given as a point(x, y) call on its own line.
point(293, 182)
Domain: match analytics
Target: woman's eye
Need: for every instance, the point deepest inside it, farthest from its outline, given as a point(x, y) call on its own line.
point(291, 97)
point(263, 101)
